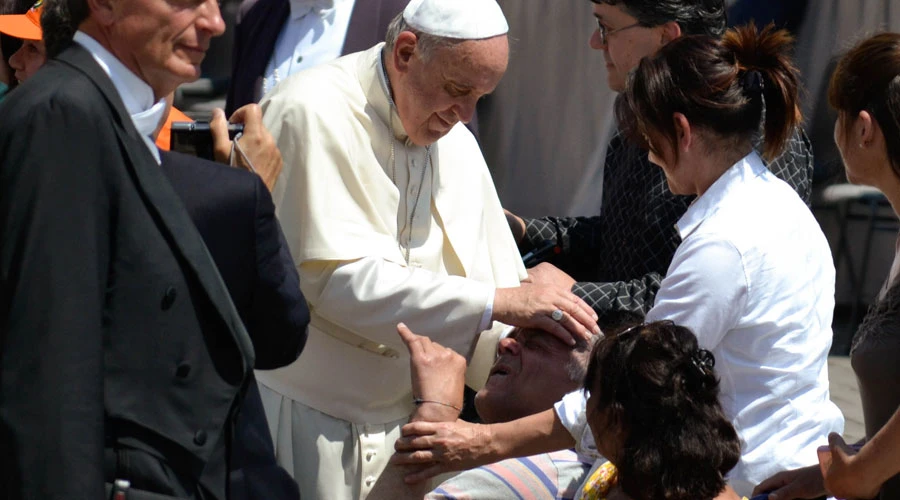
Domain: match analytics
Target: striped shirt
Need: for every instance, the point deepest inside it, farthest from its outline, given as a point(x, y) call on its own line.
point(552, 476)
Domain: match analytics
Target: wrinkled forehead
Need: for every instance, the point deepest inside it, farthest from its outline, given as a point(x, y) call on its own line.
point(524, 334)
point(475, 63)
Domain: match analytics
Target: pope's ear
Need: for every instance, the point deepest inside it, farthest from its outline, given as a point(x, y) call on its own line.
point(404, 50)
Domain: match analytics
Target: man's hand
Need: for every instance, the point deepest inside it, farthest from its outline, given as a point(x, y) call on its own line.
point(256, 142)
point(847, 476)
point(438, 376)
point(548, 274)
point(798, 483)
point(442, 447)
point(516, 225)
point(532, 306)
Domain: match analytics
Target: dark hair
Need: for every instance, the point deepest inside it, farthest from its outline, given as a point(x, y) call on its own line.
point(58, 25)
point(656, 385)
point(868, 78)
point(721, 85)
point(696, 17)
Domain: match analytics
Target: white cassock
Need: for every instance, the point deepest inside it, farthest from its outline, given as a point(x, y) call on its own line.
point(350, 215)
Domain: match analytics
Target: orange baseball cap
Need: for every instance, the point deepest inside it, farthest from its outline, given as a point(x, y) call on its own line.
point(26, 26)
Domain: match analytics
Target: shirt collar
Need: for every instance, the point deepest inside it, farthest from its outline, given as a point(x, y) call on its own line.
point(136, 94)
point(300, 8)
point(381, 97)
point(706, 204)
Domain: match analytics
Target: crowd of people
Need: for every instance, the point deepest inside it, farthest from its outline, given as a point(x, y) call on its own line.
point(311, 314)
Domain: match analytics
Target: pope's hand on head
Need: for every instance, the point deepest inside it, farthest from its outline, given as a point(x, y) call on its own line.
point(260, 151)
point(551, 308)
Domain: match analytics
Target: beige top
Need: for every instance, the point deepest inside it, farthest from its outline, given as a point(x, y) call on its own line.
point(349, 215)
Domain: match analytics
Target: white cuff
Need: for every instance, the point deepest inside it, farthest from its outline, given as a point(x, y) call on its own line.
point(572, 412)
point(488, 313)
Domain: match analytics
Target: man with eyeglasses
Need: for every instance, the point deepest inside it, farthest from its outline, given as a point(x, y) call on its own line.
point(615, 261)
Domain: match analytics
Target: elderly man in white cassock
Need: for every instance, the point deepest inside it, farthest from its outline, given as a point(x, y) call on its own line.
point(391, 215)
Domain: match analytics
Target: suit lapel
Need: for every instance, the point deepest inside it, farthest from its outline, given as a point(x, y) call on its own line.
point(162, 201)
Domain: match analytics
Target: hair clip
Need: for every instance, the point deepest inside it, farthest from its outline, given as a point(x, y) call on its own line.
point(753, 82)
point(703, 360)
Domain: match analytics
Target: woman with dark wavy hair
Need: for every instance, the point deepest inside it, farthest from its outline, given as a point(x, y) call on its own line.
point(655, 414)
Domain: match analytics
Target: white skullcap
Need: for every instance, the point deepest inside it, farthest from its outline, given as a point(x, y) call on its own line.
point(462, 19)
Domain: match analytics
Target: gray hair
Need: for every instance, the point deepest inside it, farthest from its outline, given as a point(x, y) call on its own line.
point(426, 44)
point(578, 365)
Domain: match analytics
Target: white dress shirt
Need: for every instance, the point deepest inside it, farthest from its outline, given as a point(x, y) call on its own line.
point(754, 279)
point(313, 34)
point(137, 96)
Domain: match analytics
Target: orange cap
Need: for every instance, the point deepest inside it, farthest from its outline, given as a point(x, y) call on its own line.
point(26, 26)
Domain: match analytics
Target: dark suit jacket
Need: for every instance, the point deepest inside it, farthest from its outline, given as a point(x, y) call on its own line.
point(260, 22)
point(236, 218)
point(121, 353)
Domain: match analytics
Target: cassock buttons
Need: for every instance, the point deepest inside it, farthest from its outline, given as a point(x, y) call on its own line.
point(200, 438)
point(168, 298)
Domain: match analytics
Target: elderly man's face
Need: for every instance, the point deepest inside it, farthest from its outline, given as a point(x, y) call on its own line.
point(435, 94)
point(163, 41)
point(531, 372)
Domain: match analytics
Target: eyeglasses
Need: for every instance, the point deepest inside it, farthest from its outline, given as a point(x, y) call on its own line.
point(605, 32)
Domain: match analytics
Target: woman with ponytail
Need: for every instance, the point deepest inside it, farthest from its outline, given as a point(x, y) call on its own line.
point(753, 277)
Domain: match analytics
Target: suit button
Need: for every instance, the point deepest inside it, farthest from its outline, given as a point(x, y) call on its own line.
point(200, 438)
point(169, 298)
point(183, 370)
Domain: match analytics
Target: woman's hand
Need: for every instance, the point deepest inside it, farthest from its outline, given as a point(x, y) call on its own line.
point(443, 447)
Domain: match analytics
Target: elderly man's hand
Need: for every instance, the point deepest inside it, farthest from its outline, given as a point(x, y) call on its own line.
point(548, 274)
point(262, 155)
point(443, 447)
point(438, 377)
point(793, 484)
point(551, 308)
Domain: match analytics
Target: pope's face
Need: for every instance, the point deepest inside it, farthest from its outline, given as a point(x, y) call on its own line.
point(436, 93)
point(163, 41)
point(28, 59)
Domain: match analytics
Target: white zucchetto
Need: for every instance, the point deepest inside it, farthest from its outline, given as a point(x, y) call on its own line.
point(461, 19)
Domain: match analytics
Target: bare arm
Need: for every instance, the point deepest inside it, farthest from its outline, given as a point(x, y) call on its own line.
point(459, 445)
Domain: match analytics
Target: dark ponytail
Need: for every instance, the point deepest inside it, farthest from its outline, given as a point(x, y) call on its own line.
point(767, 53)
point(722, 86)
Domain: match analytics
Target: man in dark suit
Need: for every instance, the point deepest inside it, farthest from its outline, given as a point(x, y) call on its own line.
point(234, 213)
point(122, 354)
point(260, 22)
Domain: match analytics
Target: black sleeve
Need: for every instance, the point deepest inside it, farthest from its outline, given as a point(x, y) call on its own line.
point(56, 215)
point(279, 316)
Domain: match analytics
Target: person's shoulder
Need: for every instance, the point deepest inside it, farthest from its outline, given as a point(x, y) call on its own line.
point(210, 176)
point(55, 88)
point(510, 478)
point(322, 85)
